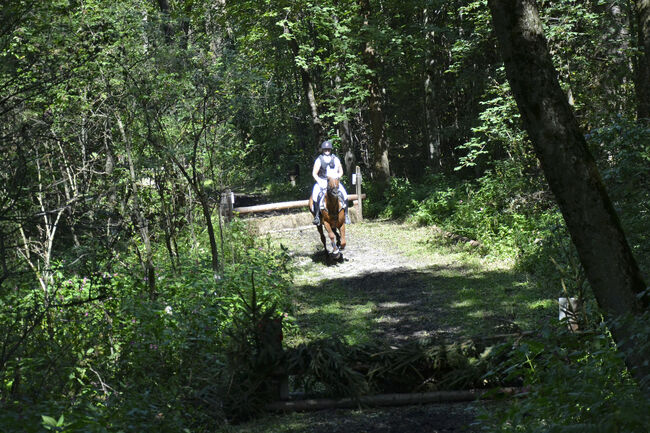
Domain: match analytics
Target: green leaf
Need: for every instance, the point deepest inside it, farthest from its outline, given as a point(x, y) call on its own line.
point(49, 421)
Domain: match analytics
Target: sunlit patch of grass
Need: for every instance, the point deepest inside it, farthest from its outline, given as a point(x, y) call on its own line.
point(324, 313)
point(478, 314)
point(541, 303)
point(463, 304)
point(477, 294)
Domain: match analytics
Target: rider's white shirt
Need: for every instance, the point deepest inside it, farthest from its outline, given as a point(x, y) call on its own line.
point(333, 172)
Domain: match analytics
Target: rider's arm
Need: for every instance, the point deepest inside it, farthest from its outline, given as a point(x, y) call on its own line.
point(315, 170)
point(339, 168)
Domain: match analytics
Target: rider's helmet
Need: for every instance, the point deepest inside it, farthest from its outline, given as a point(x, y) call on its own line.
point(326, 145)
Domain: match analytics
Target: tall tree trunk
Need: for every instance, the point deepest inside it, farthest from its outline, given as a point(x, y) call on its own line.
point(166, 23)
point(432, 121)
point(166, 219)
point(196, 185)
point(308, 89)
point(347, 146)
point(143, 224)
point(380, 163)
point(642, 84)
point(571, 173)
point(207, 214)
point(343, 127)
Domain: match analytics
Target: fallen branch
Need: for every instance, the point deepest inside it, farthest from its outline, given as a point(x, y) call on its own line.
point(392, 399)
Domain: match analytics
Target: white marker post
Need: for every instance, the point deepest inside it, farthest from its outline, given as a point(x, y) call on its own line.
point(357, 181)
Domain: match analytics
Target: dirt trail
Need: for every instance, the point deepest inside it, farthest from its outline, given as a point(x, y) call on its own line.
point(399, 282)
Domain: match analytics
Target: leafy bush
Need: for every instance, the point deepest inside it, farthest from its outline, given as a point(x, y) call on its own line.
point(622, 150)
point(575, 383)
point(106, 356)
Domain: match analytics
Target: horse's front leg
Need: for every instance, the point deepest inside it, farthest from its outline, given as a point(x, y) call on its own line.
point(342, 229)
point(332, 236)
point(322, 236)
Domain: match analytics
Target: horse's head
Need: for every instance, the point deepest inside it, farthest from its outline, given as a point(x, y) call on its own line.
point(333, 185)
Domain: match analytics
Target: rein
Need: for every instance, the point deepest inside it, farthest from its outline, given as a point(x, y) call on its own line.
point(334, 193)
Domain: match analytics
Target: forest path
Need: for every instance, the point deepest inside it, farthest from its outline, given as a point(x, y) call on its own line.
point(397, 282)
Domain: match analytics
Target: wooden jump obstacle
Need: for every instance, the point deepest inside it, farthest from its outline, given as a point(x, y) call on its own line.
point(228, 209)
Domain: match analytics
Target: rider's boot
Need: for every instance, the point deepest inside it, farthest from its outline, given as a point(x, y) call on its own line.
point(344, 202)
point(316, 220)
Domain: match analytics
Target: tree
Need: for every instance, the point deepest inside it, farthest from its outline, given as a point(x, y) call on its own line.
point(572, 173)
point(643, 60)
point(307, 84)
point(380, 163)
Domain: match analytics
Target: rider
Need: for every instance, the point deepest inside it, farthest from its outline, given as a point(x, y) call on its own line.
point(327, 163)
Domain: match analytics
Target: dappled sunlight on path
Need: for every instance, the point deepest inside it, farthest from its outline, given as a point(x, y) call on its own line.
point(397, 284)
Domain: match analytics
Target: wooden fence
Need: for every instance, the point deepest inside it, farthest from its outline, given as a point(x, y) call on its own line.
point(228, 209)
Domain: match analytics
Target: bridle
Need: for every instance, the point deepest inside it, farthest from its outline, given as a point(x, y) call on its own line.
point(333, 191)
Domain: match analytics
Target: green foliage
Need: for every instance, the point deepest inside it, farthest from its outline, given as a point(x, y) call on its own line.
point(502, 209)
point(117, 118)
point(499, 132)
point(622, 149)
point(128, 362)
point(575, 383)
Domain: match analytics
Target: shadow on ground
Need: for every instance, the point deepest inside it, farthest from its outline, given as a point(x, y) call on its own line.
point(405, 304)
point(432, 418)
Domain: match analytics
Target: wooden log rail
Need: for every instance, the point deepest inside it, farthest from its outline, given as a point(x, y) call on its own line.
point(394, 399)
point(282, 205)
point(227, 200)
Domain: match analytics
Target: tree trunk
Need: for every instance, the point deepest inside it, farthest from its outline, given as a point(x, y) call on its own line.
point(571, 172)
point(166, 24)
point(207, 214)
point(347, 147)
point(143, 225)
point(380, 163)
point(196, 185)
point(432, 122)
point(308, 89)
point(166, 219)
point(642, 84)
point(402, 399)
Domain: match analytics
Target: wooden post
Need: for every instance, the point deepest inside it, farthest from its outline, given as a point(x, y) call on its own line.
point(569, 308)
point(360, 209)
point(270, 338)
point(226, 205)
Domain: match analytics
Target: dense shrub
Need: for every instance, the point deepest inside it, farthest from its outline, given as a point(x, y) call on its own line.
point(575, 383)
point(106, 356)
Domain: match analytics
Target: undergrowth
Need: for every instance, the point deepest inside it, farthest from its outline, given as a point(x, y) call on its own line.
point(182, 360)
point(574, 382)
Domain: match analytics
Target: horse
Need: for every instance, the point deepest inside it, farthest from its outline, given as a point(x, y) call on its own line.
point(332, 218)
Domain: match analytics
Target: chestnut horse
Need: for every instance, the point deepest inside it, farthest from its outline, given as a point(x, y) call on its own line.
point(332, 217)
